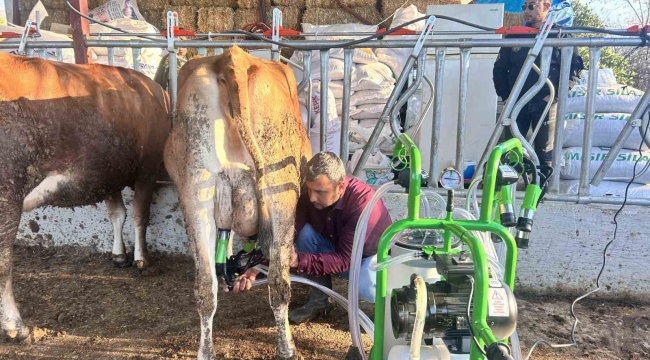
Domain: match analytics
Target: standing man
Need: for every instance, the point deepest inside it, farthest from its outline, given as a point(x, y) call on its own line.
point(507, 68)
point(327, 215)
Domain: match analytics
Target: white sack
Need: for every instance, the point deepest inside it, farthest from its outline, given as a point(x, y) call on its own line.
point(372, 176)
point(360, 55)
point(337, 88)
point(396, 58)
point(373, 77)
point(606, 78)
point(48, 53)
point(612, 99)
point(339, 109)
point(622, 168)
point(116, 9)
point(333, 138)
point(148, 64)
point(360, 132)
point(379, 96)
point(607, 188)
point(606, 128)
point(369, 111)
point(331, 105)
point(130, 26)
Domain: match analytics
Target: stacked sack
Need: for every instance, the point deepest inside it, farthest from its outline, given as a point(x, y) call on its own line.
point(614, 105)
point(371, 85)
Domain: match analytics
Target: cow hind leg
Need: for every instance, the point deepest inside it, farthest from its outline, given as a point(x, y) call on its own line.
point(198, 209)
point(117, 215)
point(280, 284)
point(10, 321)
point(141, 213)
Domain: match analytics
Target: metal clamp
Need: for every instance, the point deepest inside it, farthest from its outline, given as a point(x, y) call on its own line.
point(24, 37)
point(172, 23)
point(275, 34)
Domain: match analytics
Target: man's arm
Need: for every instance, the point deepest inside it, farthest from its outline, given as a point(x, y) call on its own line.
point(500, 73)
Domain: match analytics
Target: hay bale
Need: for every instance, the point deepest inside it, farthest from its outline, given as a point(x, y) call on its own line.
point(339, 16)
point(513, 19)
point(333, 4)
point(55, 16)
point(153, 17)
point(54, 5)
point(251, 4)
point(218, 19)
point(291, 17)
point(94, 4)
point(388, 7)
point(186, 16)
point(204, 3)
point(153, 5)
point(293, 3)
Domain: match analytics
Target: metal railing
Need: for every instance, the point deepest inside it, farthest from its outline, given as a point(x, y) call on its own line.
point(539, 45)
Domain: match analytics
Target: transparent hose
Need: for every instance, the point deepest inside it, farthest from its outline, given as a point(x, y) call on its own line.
point(374, 266)
point(420, 317)
point(366, 323)
point(355, 268)
point(425, 206)
point(442, 203)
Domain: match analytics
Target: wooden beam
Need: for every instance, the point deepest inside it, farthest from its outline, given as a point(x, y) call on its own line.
point(80, 29)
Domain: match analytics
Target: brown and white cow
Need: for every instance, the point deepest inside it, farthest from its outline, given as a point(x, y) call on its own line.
point(236, 153)
point(74, 135)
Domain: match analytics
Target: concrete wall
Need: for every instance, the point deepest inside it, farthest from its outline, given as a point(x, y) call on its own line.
point(565, 253)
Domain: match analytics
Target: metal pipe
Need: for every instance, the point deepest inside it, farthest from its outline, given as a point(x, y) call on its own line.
point(549, 104)
point(111, 56)
point(637, 115)
point(217, 51)
point(563, 94)
point(434, 172)
point(173, 84)
point(592, 83)
point(136, 59)
point(385, 115)
point(394, 122)
point(506, 118)
point(306, 71)
point(203, 51)
point(317, 45)
point(324, 87)
point(462, 112)
point(345, 116)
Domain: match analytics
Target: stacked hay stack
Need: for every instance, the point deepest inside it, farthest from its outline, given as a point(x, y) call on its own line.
point(513, 19)
point(324, 12)
point(388, 7)
point(199, 15)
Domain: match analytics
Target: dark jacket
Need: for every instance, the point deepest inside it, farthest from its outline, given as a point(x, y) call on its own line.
point(511, 60)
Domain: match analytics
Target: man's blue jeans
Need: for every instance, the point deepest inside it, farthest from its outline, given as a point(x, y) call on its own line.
point(310, 241)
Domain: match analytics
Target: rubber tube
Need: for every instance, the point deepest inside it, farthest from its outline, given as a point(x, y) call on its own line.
point(366, 323)
point(374, 266)
point(420, 317)
point(355, 268)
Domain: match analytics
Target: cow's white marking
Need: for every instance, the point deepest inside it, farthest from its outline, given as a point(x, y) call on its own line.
point(48, 186)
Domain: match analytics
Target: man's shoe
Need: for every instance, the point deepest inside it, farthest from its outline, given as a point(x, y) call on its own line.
point(310, 311)
point(319, 303)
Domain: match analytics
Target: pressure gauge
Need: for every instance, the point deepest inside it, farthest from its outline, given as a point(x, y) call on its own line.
point(450, 179)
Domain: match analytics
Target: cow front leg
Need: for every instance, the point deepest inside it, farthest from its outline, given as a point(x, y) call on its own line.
point(198, 209)
point(141, 213)
point(117, 215)
point(10, 321)
point(279, 296)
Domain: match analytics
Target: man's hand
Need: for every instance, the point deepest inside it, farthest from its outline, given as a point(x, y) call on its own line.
point(244, 282)
point(294, 259)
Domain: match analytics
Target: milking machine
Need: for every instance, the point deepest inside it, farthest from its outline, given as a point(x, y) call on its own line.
point(443, 291)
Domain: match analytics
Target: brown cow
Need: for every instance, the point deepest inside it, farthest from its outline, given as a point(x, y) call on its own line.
point(74, 135)
point(236, 154)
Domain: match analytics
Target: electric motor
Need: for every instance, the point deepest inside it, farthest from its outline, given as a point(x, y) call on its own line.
point(446, 311)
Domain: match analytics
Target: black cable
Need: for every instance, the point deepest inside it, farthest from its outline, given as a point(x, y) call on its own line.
point(362, 40)
point(469, 319)
point(602, 268)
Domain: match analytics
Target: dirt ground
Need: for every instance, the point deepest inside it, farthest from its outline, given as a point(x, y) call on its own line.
point(87, 309)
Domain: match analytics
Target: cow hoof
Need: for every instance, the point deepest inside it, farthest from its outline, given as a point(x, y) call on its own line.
point(141, 264)
point(18, 335)
point(120, 261)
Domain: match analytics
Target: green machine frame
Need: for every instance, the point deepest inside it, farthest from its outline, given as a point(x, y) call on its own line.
point(461, 229)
